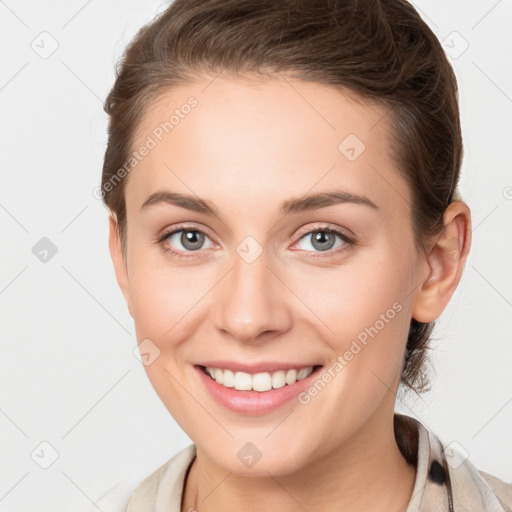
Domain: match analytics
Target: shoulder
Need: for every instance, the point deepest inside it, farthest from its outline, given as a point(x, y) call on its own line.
point(471, 487)
point(164, 485)
point(502, 490)
point(445, 474)
point(136, 495)
point(116, 498)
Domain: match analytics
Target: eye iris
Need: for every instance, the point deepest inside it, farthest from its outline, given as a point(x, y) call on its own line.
point(320, 237)
point(192, 240)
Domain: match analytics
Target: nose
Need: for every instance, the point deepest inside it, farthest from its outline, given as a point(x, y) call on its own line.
point(252, 302)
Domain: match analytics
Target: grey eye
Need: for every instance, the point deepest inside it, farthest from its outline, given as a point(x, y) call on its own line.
point(190, 239)
point(322, 240)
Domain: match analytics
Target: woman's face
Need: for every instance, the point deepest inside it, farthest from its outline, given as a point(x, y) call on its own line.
point(267, 288)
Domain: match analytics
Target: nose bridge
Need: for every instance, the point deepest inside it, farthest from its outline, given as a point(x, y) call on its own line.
point(252, 299)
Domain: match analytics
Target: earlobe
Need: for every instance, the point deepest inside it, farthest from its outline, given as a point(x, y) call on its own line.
point(116, 253)
point(445, 261)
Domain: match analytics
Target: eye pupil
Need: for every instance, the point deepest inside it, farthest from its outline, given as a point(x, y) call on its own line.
point(320, 237)
point(192, 240)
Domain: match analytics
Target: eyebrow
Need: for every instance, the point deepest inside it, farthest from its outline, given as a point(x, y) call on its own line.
point(295, 205)
point(324, 199)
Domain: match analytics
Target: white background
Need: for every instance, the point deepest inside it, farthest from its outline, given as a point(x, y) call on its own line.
point(67, 369)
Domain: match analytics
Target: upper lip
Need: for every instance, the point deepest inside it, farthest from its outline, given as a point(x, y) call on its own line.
point(263, 366)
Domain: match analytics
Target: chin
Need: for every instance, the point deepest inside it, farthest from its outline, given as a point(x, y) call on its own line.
point(256, 457)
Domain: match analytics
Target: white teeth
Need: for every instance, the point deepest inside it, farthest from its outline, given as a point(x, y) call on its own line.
point(278, 379)
point(291, 377)
point(303, 373)
point(228, 379)
point(243, 381)
point(261, 382)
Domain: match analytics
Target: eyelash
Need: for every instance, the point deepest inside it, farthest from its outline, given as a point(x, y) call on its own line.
point(322, 228)
point(177, 229)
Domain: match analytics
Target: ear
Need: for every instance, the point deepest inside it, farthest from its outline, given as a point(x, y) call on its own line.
point(116, 253)
point(445, 258)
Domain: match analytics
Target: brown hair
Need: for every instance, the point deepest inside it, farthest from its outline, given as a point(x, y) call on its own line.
point(382, 51)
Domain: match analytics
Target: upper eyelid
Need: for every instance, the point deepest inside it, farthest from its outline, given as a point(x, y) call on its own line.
point(171, 231)
point(325, 227)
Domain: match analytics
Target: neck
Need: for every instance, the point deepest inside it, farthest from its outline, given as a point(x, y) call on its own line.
point(367, 472)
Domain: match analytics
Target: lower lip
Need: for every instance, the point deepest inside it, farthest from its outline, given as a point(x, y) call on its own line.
point(254, 402)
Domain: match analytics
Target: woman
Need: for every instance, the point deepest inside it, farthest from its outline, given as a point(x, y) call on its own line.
point(285, 229)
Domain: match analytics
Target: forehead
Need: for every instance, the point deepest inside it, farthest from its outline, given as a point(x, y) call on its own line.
point(245, 139)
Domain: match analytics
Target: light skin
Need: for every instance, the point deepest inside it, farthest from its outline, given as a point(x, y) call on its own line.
point(248, 147)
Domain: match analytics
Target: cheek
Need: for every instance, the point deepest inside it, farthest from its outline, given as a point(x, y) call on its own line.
point(365, 309)
point(163, 297)
point(163, 301)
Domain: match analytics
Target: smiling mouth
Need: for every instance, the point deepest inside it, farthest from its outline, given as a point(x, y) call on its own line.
point(260, 382)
